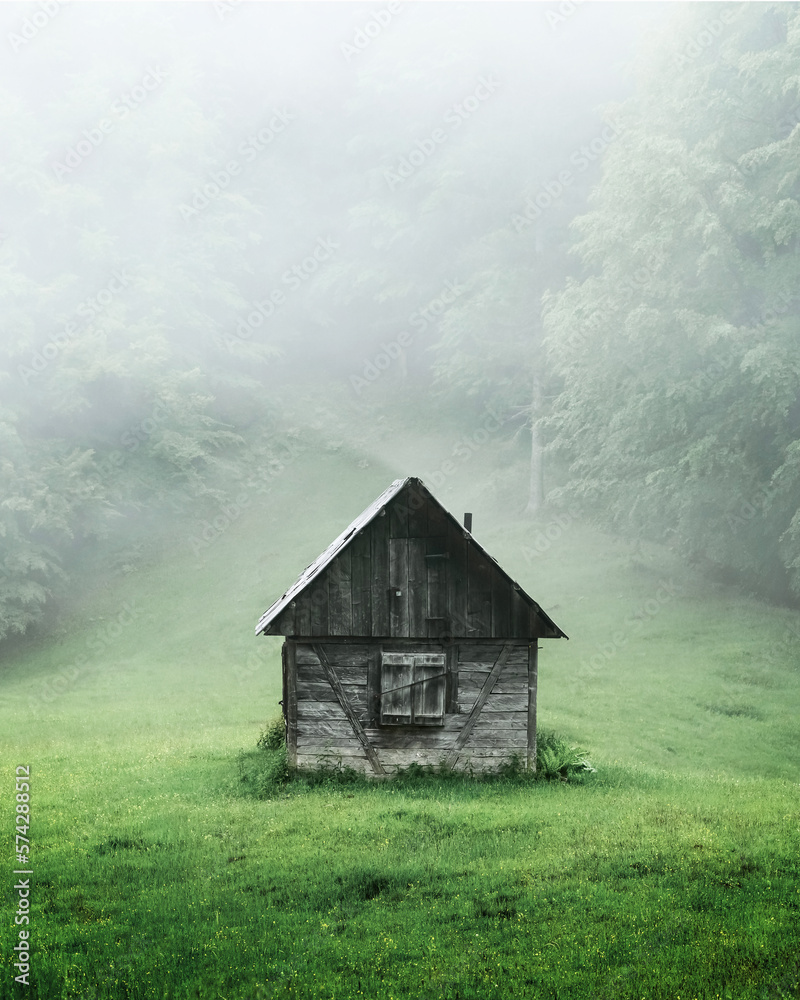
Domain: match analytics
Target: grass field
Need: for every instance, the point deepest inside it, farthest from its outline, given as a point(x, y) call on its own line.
point(670, 873)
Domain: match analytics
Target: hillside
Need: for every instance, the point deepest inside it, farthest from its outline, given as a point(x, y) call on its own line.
point(145, 846)
point(661, 668)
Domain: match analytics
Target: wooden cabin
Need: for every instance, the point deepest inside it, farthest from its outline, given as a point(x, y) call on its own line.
point(407, 643)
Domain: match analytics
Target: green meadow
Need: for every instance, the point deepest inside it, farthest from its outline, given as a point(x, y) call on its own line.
point(672, 872)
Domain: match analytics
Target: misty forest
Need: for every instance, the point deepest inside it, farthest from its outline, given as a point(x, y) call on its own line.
point(258, 260)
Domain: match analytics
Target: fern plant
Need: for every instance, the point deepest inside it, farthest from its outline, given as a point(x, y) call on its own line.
point(556, 759)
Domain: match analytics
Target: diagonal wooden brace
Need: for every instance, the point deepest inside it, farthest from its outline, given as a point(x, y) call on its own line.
point(480, 701)
point(358, 729)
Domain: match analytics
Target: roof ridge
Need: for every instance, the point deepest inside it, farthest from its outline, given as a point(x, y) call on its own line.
point(323, 560)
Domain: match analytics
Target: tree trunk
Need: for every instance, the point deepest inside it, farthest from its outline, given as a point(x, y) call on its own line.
point(536, 489)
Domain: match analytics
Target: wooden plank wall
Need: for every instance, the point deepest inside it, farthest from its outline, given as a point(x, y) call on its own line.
point(323, 736)
point(447, 586)
point(502, 727)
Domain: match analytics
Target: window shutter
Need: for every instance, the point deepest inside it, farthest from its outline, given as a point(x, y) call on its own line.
point(397, 678)
point(429, 687)
point(413, 688)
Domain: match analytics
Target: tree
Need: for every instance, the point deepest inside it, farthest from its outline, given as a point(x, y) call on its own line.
point(679, 348)
point(121, 388)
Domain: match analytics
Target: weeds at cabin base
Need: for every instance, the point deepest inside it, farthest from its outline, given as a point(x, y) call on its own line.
point(274, 735)
point(267, 769)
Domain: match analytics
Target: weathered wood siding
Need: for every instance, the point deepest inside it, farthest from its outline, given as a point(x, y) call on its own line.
point(412, 572)
point(486, 721)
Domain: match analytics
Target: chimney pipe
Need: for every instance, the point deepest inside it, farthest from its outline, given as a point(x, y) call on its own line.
point(468, 522)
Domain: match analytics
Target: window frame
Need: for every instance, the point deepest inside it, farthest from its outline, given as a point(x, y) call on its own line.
point(418, 659)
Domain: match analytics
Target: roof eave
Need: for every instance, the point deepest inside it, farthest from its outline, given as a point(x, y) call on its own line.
point(312, 571)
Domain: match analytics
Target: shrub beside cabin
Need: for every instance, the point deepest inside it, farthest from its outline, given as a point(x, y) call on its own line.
point(407, 643)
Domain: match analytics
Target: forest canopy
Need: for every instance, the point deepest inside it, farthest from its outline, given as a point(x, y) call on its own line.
point(678, 348)
point(218, 217)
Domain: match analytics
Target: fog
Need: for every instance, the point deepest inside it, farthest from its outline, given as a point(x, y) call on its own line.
point(223, 221)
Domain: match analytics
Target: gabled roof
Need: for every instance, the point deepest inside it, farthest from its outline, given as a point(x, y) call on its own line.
point(353, 530)
point(312, 571)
